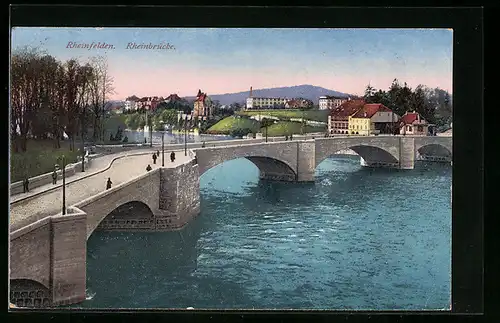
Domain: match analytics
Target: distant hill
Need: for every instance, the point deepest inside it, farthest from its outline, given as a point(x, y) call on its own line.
point(305, 91)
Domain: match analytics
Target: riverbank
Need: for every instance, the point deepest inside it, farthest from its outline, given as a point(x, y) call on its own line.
point(242, 125)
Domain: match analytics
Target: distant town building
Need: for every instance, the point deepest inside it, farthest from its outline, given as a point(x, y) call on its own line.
point(331, 102)
point(130, 105)
point(413, 124)
point(298, 103)
point(266, 103)
point(174, 98)
point(148, 102)
point(338, 119)
point(373, 118)
point(203, 107)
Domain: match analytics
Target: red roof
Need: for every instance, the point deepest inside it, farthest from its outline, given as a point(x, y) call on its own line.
point(201, 97)
point(347, 108)
point(173, 97)
point(369, 110)
point(410, 118)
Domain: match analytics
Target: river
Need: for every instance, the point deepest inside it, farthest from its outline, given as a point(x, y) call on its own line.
point(357, 238)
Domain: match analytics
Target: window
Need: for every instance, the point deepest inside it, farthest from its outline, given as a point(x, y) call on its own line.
point(420, 128)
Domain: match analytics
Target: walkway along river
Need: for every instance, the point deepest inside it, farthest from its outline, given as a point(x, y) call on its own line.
point(358, 238)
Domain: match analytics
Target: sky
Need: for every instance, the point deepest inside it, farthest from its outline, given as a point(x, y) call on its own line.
point(228, 60)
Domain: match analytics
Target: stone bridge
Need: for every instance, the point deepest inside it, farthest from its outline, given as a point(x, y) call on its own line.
point(297, 160)
point(48, 256)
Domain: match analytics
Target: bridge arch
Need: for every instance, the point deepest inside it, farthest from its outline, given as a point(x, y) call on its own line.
point(434, 150)
point(135, 214)
point(369, 153)
point(269, 168)
point(29, 293)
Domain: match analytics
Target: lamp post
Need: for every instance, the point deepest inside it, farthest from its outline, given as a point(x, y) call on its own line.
point(266, 130)
point(63, 162)
point(163, 145)
point(150, 131)
point(185, 135)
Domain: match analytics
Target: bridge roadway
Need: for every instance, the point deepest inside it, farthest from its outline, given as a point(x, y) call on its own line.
point(48, 201)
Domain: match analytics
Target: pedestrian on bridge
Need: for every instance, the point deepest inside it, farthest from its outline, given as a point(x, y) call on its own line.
point(172, 156)
point(148, 168)
point(108, 183)
point(26, 183)
point(154, 158)
point(54, 177)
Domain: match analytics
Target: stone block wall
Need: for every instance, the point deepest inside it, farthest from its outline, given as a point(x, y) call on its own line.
point(306, 162)
point(69, 258)
point(30, 251)
point(179, 197)
point(48, 261)
point(406, 152)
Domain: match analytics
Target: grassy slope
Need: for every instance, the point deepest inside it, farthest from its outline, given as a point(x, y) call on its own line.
point(314, 115)
point(40, 158)
point(226, 125)
point(284, 128)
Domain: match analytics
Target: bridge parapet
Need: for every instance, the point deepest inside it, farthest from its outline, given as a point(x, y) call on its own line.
point(51, 252)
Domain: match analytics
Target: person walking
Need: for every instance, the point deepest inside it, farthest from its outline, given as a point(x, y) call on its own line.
point(154, 158)
point(172, 156)
point(26, 183)
point(157, 153)
point(148, 168)
point(108, 183)
point(54, 177)
point(203, 145)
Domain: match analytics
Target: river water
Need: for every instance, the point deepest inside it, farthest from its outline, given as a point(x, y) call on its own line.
point(358, 238)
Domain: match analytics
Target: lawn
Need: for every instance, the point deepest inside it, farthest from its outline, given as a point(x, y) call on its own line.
point(285, 128)
point(39, 158)
point(229, 124)
point(313, 115)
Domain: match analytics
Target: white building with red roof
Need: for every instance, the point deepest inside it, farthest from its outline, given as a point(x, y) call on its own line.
point(411, 123)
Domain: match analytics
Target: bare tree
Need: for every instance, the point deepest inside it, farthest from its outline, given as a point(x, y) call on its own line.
point(101, 86)
point(25, 82)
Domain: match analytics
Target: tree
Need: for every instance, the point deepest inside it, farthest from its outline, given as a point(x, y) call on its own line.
point(369, 91)
point(101, 86)
point(238, 133)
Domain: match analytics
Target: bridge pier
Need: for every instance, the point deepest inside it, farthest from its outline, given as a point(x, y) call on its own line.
point(179, 196)
point(406, 153)
point(48, 261)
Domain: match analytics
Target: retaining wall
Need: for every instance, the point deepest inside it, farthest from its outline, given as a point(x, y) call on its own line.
point(40, 180)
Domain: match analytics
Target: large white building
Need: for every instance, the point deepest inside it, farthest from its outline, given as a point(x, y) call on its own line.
point(331, 102)
point(130, 105)
point(265, 103)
